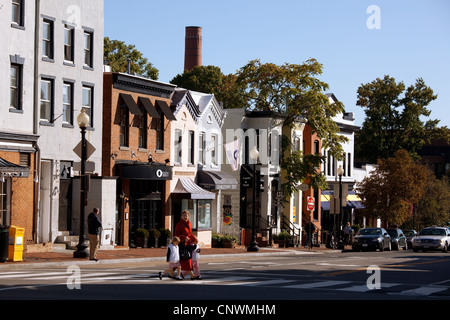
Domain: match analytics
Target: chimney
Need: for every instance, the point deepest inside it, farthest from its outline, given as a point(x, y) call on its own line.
point(193, 51)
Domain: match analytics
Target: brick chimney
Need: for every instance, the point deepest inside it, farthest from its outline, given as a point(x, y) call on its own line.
point(193, 51)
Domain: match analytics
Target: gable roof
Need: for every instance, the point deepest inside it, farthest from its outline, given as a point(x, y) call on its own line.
point(182, 97)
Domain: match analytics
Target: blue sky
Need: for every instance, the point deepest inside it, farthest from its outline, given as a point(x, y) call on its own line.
point(413, 40)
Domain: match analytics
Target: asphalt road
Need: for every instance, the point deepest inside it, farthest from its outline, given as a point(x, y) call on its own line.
point(396, 275)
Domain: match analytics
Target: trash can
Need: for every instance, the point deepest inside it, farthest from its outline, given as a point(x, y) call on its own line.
point(16, 243)
point(4, 243)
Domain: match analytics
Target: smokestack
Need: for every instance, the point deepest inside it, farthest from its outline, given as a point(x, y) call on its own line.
point(193, 52)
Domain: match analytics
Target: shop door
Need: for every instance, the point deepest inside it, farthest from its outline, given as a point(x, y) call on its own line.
point(145, 214)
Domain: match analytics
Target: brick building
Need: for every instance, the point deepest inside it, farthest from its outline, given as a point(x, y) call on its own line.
point(136, 149)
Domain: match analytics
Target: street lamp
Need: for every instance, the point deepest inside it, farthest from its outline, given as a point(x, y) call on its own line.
point(340, 173)
point(254, 155)
point(83, 122)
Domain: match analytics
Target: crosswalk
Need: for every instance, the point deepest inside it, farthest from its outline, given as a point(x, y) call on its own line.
point(12, 280)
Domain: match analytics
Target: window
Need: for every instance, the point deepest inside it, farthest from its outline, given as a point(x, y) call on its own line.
point(191, 148)
point(88, 54)
point(46, 113)
point(87, 103)
point(47, 39)
point(4, 203)
point(204, 214)
point(124, 125)
point(68, 103)
point(16, 87)
point(68, 44)
point(214, 149)
point(201, 148)
point(159, 132)
point(177, 146)
point(17, 13)
point(349, 164)
point(142, 124)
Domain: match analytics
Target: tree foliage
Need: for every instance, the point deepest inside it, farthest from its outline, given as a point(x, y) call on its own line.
point(391, 191)
point(210, 79)
point(117, 53)
point(393, 120)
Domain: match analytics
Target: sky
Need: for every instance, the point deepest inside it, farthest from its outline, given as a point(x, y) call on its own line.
point(356, 41)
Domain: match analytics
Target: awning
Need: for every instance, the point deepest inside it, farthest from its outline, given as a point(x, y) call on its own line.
point(216, 180)
point(353, 201)
point(187, 189)
point(132, 106)
point(149, 107)
point(166, 110)
point(142, 171)
point(10, 169)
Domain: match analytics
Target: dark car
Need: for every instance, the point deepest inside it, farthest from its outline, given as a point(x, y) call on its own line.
point(398, 239)
point(409, 234)
point(372, 238)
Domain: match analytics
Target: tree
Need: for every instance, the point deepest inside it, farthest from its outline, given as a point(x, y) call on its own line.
point(434, 208)
point(391, 191)
point(210, 79)
point(117, 53)
point(394, 118)
point(296, 92)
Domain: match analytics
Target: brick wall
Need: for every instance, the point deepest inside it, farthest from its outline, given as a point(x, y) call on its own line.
point(22, 197)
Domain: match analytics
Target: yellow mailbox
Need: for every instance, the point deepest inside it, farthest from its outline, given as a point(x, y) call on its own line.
point(16, 235)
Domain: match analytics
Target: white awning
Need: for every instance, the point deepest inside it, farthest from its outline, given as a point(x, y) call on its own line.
point(186, 188)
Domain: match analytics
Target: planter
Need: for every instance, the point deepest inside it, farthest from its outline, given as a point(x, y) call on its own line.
point(228, 243)
point(140, 242)
point(152, 242)
point(216, 243)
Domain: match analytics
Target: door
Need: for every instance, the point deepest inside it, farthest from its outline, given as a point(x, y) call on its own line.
point(145, 214)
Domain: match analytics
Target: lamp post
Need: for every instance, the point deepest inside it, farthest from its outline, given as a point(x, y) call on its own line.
point(254, 155)
point(340, 173)
point(83, 123)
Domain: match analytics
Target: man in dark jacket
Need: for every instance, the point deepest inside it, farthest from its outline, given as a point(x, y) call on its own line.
point(94, 230)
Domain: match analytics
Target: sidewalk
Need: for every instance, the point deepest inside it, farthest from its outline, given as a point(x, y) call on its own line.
point(65, 257)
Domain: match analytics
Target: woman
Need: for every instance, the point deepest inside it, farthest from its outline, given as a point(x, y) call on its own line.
point(183, 230)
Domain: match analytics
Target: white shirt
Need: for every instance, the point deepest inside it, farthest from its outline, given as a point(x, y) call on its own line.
point(196, 253)
point(173, 254)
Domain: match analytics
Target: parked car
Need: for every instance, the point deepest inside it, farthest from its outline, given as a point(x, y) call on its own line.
point(409, 234)
point(372, 238)
point(433, 238)
point(398, 239)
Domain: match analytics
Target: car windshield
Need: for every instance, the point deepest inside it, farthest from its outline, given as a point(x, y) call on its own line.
point(392, 232)
point(370, 232)
point(432, 232)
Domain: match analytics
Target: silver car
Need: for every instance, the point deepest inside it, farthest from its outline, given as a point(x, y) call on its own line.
point(433, 238)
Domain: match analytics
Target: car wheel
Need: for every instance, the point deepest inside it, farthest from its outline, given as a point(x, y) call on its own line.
point(406, 246)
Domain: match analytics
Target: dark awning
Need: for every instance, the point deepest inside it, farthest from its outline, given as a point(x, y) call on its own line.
point(14, 170)
point(140, 171)
point(166, 110)
point(216, 180)
point(132, 106)
point(149, 107)
point(187, 189)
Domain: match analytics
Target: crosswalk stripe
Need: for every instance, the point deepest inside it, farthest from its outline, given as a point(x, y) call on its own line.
point(421, 291)
point(320, 284)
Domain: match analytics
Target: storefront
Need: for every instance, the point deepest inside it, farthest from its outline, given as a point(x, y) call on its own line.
point(142, 198)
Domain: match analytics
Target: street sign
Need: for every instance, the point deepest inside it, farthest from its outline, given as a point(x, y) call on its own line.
point(90, 149)
point(311, 204)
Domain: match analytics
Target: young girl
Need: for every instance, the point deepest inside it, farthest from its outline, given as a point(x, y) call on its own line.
point(173, 258)
point(186, 256)
point(195, 258)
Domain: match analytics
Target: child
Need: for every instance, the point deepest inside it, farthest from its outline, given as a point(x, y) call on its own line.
point(195, 257)
point(173, 258)
point(186, 257)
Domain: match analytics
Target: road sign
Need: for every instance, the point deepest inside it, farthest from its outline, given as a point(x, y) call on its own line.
point(311, 204)
point(90, 149)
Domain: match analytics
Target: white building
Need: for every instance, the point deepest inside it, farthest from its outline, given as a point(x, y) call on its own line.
point(68, 77)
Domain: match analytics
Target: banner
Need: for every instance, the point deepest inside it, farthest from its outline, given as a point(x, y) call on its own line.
point(232, 151)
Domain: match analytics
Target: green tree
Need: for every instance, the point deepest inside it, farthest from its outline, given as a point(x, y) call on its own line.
point(117, 53)
point(391, 191)
point(210, 79)
point(393, 120)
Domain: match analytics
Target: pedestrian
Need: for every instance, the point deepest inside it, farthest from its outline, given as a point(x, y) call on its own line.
point(310, 228)
point(94, 230)
point(186, 257)
point(347, 233)
point(173, 258)
point(195, 257)
point(183, 228)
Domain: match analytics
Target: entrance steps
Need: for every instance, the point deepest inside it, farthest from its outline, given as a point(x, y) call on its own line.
point(65, 239)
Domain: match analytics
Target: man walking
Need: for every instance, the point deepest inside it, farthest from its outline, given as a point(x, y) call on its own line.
point(94, 229)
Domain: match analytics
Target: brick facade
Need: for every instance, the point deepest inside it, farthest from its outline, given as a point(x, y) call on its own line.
point(23, 197)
